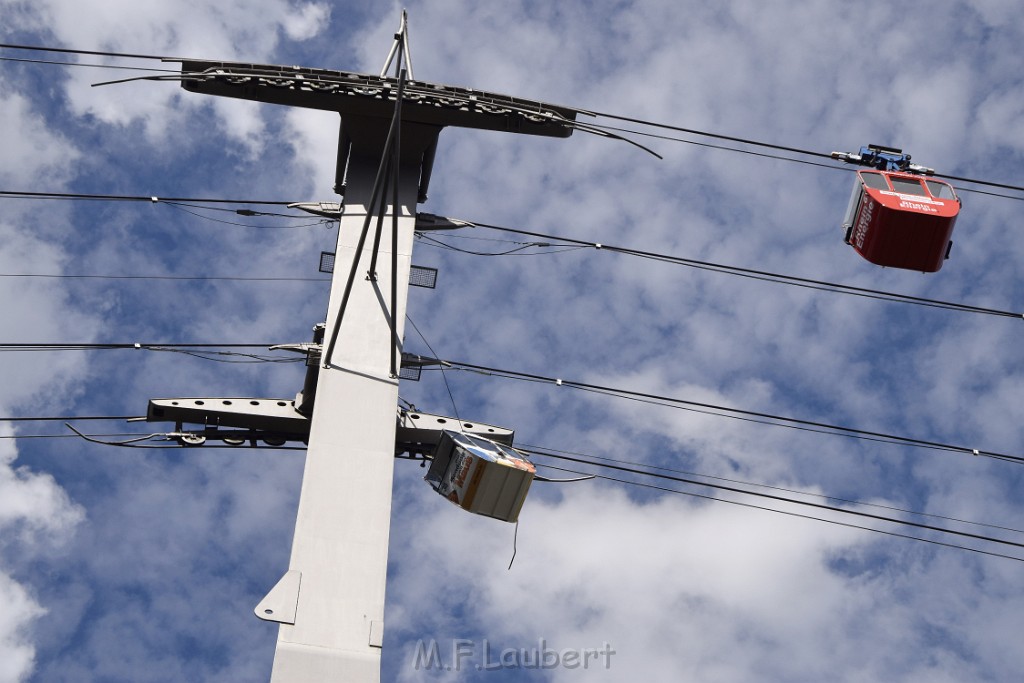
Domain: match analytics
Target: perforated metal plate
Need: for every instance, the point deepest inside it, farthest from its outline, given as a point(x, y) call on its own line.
point(326, 261)
point(420, 276)
point(411, 373)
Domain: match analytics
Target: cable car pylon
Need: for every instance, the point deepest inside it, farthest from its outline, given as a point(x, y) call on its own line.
point(330, 602)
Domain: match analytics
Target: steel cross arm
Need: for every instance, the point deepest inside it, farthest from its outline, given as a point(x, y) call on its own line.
point(415, 431)
point(357, 94)
point(420, 432)
point(275, 416)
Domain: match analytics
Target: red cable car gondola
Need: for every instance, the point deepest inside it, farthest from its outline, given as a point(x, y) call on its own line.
point(897, 218)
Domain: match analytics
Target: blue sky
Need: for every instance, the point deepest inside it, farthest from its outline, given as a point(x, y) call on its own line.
point(129, 565)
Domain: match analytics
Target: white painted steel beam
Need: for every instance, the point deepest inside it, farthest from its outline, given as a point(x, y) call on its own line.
point(340, 545)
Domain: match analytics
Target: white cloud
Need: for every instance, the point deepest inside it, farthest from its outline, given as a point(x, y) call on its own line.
point(19, 610)
point(309, 20)
point(1001, 118)
point(30, 149)
point(692, 592)
point(240, 31)
point(35, 516)
point(33, 505)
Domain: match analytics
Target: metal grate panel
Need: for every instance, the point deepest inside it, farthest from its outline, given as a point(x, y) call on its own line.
point(326, 261)
point(420, 276)
point(411, 373)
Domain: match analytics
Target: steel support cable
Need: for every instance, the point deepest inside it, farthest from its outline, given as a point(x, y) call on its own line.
point(595, 475)
point(378, 191)
point(725, 411)
point(788, 513)
point(185, 208)
point(783, 499)
point(779, 157)
point(95, 53)
point(133, 442)
point(823, 286)
point(210, 352)
point(65, 418)
point(741, 418)
point(562, 455)
point(229, 356)
point(972, 190)
point(444, 377)
point(986, 183)
point(90, 346)
point(183, 204)
point(892, 508)
point(592, 128)
point(766, 276)
point(706, 134)
point(17, 437)
point(782, 148)
point(709, 145)
point(197, 278)
point(51, 62)
point(21, 194)
point(242, 212)
point(396, 185)
point(515, 251)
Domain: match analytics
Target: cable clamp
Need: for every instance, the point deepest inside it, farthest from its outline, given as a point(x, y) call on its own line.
point(154, 199)
point(975, 451)
point(558, 382)
point(597, 245)
point(138, 345)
